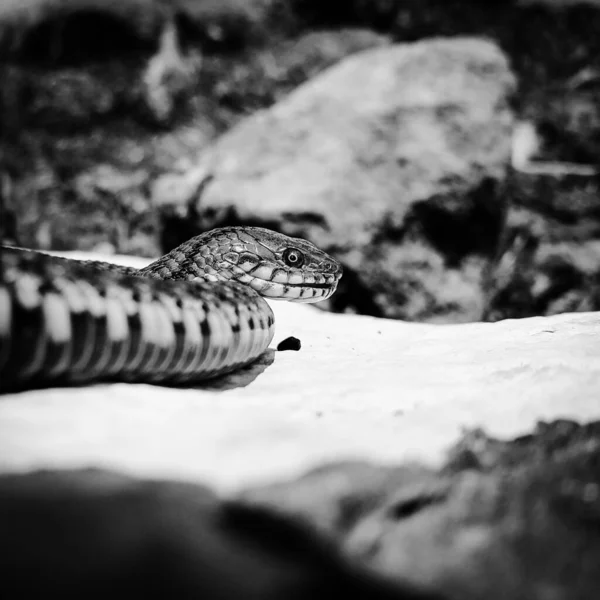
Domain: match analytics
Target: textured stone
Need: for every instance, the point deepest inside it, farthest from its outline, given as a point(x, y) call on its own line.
point(360, 387)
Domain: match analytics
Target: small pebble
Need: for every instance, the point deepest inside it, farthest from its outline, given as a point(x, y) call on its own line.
point(290, 343)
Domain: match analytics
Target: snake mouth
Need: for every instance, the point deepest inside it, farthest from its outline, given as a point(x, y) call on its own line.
point(310, 292)
point(293, 292)
point(318, 286)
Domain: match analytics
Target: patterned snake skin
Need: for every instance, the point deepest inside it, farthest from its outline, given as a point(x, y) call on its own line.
point(193, 314)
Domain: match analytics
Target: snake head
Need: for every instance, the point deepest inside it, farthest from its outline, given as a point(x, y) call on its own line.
point(274, 265)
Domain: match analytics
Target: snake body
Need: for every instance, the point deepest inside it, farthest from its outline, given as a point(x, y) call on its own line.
point(193, 314)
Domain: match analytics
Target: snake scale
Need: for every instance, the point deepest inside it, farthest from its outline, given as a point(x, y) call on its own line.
point(195, 313)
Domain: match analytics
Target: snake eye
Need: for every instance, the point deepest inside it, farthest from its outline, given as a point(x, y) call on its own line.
point(293, 257)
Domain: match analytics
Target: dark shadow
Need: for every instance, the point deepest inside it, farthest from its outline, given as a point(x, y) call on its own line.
point(240, 377)
point(69, 40)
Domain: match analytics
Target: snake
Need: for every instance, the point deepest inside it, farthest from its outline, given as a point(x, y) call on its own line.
point(198, 312)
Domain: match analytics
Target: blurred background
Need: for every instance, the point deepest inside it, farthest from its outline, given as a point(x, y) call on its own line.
point(446, 151)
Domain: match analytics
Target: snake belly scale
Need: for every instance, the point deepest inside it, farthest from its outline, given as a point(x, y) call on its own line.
point(195, 313)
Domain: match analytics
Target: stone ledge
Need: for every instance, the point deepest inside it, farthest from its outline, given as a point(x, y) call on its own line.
point(360, 387)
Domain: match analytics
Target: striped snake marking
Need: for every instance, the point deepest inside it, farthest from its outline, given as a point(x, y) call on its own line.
point(195, 313)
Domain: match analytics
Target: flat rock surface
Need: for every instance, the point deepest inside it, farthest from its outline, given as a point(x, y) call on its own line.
point(359, 387)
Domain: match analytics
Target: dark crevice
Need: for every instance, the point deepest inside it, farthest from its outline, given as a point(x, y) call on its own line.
point(409, 507)
point(456, 231)
point(305, 218)
point(353, 294)
point(565, 277)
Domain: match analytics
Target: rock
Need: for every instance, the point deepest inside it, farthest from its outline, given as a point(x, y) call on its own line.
point(117, 86)
point(548, 442)
point(272, 72)
point(503, 518)
point(394, 160)
point(361, 388)
point(90, 86)
point(97, 534)
point(313, 51)
point(549, 258)
point(509, 534)
point(567, 118)
point(335, 497)
point(513, 534)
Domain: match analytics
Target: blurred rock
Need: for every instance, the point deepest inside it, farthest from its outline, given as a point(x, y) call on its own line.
point(549, 258)
point(554, 192)
point(549, 441)
point(275, 70)
point(553, 46)
point(143, 86)
point(394, 160)
point(334, 497)
point(520, 533)
point(171, 78)
point(98, 534)
point(567, 118)
point(503, 519)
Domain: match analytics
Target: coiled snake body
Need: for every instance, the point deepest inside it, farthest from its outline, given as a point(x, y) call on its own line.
point(195, 313)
